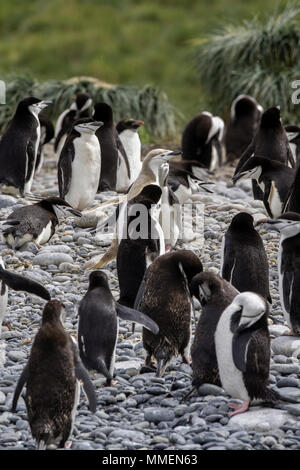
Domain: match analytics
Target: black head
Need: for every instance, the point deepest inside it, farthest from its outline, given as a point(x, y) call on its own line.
point(58, 206)
point(205, 285)
point(54, 312)
point(271, 118)
point(244, 106)
point(32, 104)
point(242, 221)
point(82, 100)
point(288, 223)
point(150, 194)
point(131, 124)
point(86, 125)
point(98, 279)
point(185, 261)
point(254, 167)
point(103, 112)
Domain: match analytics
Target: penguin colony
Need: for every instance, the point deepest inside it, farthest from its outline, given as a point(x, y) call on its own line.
point(158, 280)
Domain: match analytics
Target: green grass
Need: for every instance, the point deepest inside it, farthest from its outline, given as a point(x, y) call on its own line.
point(128, 42)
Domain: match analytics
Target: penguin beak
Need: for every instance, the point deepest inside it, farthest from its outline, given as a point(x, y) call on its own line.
point(75, 212)
point(238, 176)
point(43, 104)
point(170, 155)
point(137, 124)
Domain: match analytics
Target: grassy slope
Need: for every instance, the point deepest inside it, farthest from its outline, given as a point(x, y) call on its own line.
point(120, 41)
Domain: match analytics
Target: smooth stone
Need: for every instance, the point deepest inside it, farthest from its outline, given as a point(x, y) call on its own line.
point(69, 268)
point(7, 201)
point(2, 398)
point(48, 259)
point(88, 220)
point(16, 355)
point(292, 393)
point(128, 434)
point(260, 419)
point(55, 249)
point(286, 345)
point(288, 382)
point(210, 389)
point(277, 331)
point(285, 368)
point(156, 415)
point(124, 365)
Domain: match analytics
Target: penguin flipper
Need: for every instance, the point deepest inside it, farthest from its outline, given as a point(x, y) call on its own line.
point(130, 314)
point(266, 198)
point(64, 171)
point(140, 292)
point(228, 260)
point(240, 344)
point(31, 157)
point(245, 157)
point(20, 384)
point(82, 374)
point(21, 283)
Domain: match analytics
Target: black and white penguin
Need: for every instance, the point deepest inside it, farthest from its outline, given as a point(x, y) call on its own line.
point(164, 296)
point(242, 343)
point(270, 141)
point(18, 283)
point(214, 294)
point(202, 140)
point(288, 264)
point(128, 135)
point(292, 202)
point(98, 325)
point(47, 134)
point(149, 174)
point(183, 181)
point(79, 164)
point(80, 108)
point(140, 246)
point(273, 178)
point(293, 135)
point(244, 262)
point(108, 144)
point(244, 118)
point(36, 222)
point(52, 376)
point(19, 145)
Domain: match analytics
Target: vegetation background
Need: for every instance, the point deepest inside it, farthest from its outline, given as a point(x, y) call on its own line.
point(127, 42)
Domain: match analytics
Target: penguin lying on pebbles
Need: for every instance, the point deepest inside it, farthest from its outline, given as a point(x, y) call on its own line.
point(98, 326)
point(274, 179)
point(18, 283)
point(143, 248)
point(244, 118)
point(244, 262)
point(288, 263)
point(214, 294)
point(79, 164)
point(80, 108)
point(36, 222)
point(165, 297)
point(242, 343)
point(52, 376)
point(19, 145)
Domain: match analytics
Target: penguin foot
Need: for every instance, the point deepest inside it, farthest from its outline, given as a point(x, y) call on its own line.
point(187, 360)
point(238, 408)
point(68, 445)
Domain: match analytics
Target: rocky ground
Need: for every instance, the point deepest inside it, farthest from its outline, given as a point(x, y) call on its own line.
point(143, 411)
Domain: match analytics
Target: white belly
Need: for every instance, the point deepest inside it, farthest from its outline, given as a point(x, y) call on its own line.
point(231, 377)
point(86, 168)
point(275, 202)
point(45, 234)
point(286, 314)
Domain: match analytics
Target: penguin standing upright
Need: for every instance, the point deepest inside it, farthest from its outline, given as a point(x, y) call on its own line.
point(243, 350)
point(19, 145)
point(47, 134)
point(36, 222)
point(274, 179)
point(292, 202)
point(109, 150)
point(79, 164)
point(52, 376)
point(244, 119)
point(270, 141)
point(288, 263)
point(244, 262)
point(214, 294)
point(293, 135)
point(98, 325)
point(142, 247)
point(165, 297)
point(202, 140)
point(129, 165)
point(80, 108)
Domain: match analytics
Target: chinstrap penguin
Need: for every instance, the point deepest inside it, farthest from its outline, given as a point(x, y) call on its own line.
point(79, 164)
point(52, 376)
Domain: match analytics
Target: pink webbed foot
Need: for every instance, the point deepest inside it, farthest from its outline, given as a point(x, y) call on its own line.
point(68, 444)
point(238, 408)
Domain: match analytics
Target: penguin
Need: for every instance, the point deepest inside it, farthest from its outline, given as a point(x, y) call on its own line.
point(143, 248)
point(288, 264)
point(149, 174)
point(165, 297)
point(244, 262)
point(47, 134)
point(293, 135)
point(243, 122)
point(79, 164)
point(52, 376)
point(80, 108)
point(36, 222)
point(98, 326)
point(274, 179)
point(292, 202)
point(215, 294)
point(127, 130)
point(242, 343)
point(270, 141)
point(183, 181)
point(19, 145)
point(18, 283)
point(202, 140)
point(108, 144)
